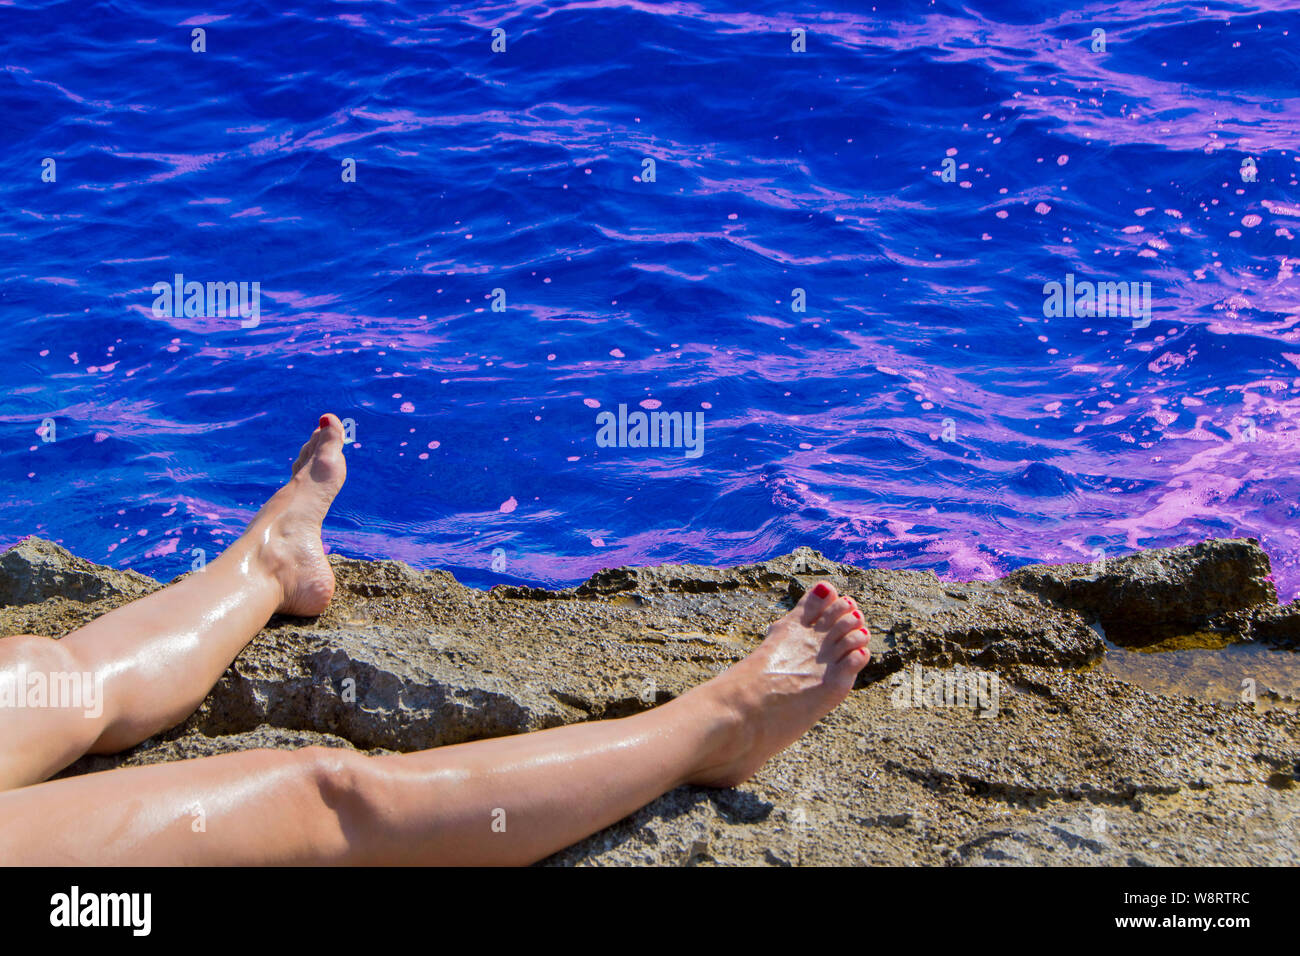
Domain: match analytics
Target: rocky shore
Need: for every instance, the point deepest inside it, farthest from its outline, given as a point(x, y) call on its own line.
point(985, 731)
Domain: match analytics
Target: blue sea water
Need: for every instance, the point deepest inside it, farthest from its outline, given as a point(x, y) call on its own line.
point(922, 410)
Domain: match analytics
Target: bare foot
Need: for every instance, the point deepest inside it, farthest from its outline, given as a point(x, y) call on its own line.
point(798, 675)
point(287, 531)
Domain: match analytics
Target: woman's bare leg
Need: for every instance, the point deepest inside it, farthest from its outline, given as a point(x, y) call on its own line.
point(510, 800)
point(149, 664)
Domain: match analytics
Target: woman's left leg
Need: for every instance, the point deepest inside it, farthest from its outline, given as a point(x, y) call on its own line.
point(510, 800)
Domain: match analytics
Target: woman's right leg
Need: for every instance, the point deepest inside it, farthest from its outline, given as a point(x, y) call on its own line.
point(146, 666)
point(510, 800)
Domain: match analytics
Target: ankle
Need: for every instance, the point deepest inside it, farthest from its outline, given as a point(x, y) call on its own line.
point(261, 554)
point(708, 715)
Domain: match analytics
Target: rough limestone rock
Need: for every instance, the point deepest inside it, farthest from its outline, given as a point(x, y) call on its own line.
point(1279, 626)
point(1144, 597)
point(1072, 766)
point(34, 570)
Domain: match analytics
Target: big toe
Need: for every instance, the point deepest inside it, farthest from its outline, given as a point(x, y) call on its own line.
point(331, 427)
point(325, 442)
point(816, 602)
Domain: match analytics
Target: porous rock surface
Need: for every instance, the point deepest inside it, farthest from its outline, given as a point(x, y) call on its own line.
point(1074, 767)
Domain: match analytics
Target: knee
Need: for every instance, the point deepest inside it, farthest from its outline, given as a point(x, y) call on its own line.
point(36, 654)
point(72, 706)
point(24, 656)
point(347, 785)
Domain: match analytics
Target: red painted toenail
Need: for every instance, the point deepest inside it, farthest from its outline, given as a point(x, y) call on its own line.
point(866, 632)
point(324, 420)
point(822, 590)
point(857, 616)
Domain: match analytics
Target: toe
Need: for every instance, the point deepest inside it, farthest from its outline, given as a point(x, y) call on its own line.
point(846, 624)
point(833, 612)
point(326, 439)
point(843, 674)
point(858, 638)
point(331, 430)
point(857, 659)
point(815, 601)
